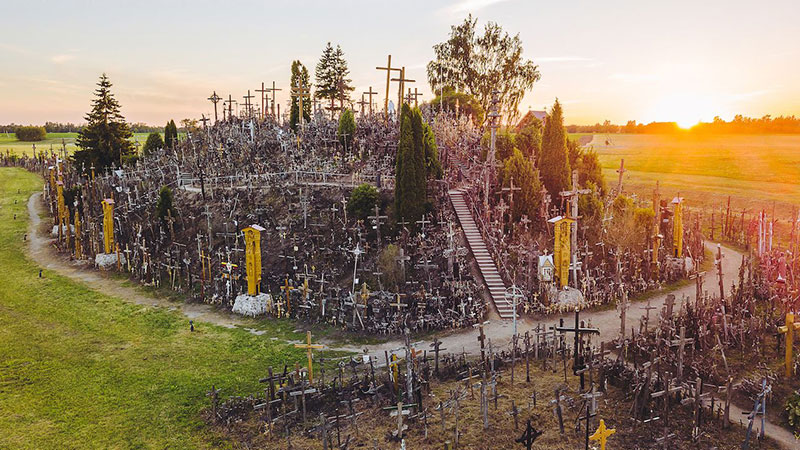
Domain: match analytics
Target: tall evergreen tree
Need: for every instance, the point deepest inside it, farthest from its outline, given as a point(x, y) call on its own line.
point(153, 143)
point(521, 170)
point(106, 139)
point(347, 129)
point(170, 134)
point(417, 160)
point(554, 162)
point(331, 76)
point(299, 78)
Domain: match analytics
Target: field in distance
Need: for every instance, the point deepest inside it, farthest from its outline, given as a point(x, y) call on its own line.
point(755, 170)
point(9, 143)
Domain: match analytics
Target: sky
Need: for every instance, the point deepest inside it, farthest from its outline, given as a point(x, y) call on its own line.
point(611, 60)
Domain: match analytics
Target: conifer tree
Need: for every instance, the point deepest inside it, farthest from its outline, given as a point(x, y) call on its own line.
point(170, 134)
point(299, 78)
point(554, 162)
point(105, 140)
point(417, 160)
point(153, 143)
point(521, 170)
point(331, 76)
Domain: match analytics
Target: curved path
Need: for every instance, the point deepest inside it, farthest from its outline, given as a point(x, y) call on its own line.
point(41, 250)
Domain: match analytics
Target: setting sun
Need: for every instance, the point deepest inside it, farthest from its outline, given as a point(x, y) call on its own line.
point(685, 109)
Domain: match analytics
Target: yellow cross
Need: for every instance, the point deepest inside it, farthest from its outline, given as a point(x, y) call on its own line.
point(395, 372)
point(788, 330)
point(308, 348)
point(602, 434)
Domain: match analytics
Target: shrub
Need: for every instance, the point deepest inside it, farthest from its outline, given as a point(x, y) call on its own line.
point(30, 133)
point(362, 201)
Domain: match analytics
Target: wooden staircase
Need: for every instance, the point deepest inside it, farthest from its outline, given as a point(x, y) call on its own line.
point(489, 272)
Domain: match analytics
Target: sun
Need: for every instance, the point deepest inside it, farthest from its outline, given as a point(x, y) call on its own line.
point(685, 109)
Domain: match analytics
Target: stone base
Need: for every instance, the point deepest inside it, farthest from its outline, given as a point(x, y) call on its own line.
point(568, 298)
point(108, 261)
point(54, 232)
point(250, 305)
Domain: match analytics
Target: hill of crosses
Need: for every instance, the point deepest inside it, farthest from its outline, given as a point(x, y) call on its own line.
point(506, 295)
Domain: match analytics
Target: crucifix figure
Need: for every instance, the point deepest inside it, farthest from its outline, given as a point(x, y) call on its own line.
point(308, 347)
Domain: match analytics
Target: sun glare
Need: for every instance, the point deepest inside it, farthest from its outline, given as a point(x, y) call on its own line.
point(685, 109)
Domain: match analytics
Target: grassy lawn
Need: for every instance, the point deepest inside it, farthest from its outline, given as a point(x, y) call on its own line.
point(80, 369)
point(755, 170)
point(9, 142)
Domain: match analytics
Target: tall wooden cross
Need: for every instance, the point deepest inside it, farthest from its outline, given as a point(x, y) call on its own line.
point(578, 331)
point(272, 105)
point(248, 107)
point(308, 347)
point(510, 191)
point(300, 92)
point(572, 197)
point(287, 289)
point(262, 91)
point(361, 105)
point(231, 101)
point(620, 171)
point(388, 70)
point(370, 93)
point(215, 99)
point(402, 80)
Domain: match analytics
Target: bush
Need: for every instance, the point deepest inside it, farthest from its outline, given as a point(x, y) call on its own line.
point(152, 144)
point(362, 201)
point(164, 205)
point(30, 133)
point(792, 407)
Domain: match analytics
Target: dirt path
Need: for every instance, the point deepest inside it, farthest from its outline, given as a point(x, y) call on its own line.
point(41, 250)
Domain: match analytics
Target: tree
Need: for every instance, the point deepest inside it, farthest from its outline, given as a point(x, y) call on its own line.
point(553, 163)
point(521, 170)
point(30, 133)
point(362, 201)
point(433, 167)
point(105, 140)
point(164, 207)
point(299, 79)
point(479, 64)
point(466, 104)
point(590, 172)
point(504, 143)
point(410, 191)
point(391, 272)
point(331, 76)
point(347, 129)
point(152, 144)
point(170, 134)
point(529, 139)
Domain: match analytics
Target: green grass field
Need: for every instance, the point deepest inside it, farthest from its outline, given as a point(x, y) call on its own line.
point(754, 170)
point(80, 369)
point(8, 142)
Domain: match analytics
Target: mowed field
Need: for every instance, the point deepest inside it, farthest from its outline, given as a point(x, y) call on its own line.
point(81, 369)
point(9, 143)
point(756, 171)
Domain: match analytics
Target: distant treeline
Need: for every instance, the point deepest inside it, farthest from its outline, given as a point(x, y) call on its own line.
point(58, 127)
point(739, 125)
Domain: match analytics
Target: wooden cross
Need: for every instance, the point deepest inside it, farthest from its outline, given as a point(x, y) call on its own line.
point(300, 92)
point(247, 104)
point(215, 99)
point(388, 70)
point(402, 80)
point(370, 93)
point(436, 349)
point(272, 106)
point(572, 197)
point(231, 101)
point(529, 436)
point(647, 318)
point(514, 412)
point(262, 91)
point(510, 191)
point(578, 330)
point(482, 339)
point(680, 342)
point(287, 289)
point(620, 171)
point(361, 105)
point(376, 219)
point(602, 434)
point(588, 419)
point(788, 331)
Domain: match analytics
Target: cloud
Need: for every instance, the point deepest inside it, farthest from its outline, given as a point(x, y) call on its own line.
point(62, 58)
point(748, 95)
point(633, 77)
point(471, 5)
point(559, 59)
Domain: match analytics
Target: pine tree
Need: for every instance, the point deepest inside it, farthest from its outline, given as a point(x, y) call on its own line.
point(299, 78)
point(331, 75)
point(153, 143)
point(106, 139)
point(553, 162)
point(417, 159)
point(521, 170)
